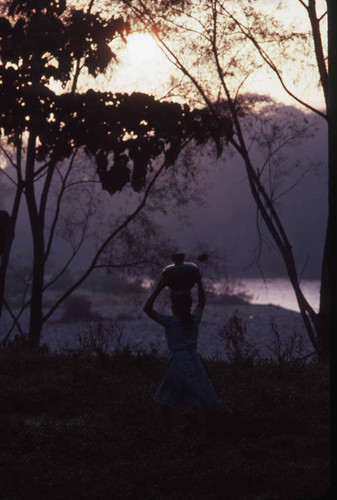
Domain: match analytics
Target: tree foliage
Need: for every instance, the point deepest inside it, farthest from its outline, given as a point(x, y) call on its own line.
point(43, 45)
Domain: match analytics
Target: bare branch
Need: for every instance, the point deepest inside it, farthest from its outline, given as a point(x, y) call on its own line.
point(247, 33)
point(78, 183)
point(65, 267)
point(42, 169)
point(104, 245)
point(58, 206)
point(167, 51)
point(322, 16)
point(7, 156)
point(257, 188)
point(90, 6)
point(106, 242)
point(202, 34)
point(16, 322)
point(3, 171)
point(45, 192)
point(292, 186)
point(242, 83)
point(282, 144)
point(304, 4)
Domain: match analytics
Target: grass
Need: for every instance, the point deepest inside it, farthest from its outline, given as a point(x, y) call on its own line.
point(77, 426)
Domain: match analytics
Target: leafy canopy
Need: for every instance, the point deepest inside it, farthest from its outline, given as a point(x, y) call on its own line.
point(44, 41)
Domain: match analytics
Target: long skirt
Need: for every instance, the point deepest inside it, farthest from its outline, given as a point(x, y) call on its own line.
point(186, 381)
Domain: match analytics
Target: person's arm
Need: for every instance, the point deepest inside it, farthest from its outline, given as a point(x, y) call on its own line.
point(201, 293)
point(148, 307)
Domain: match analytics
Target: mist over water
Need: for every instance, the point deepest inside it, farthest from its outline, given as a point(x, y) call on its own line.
point(272, 291)
point(276, 291)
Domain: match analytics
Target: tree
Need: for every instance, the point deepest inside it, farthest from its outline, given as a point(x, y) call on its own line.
point(131, 140)
point(227, 43)
point(330, 263)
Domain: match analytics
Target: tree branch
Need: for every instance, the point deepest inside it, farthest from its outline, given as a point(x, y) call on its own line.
point(58, 207)
point(173, 58)
point(106, 242)
point(264, 202)
point(3, 170)
point(247, 33)
point(42, 169)
point(15, 323)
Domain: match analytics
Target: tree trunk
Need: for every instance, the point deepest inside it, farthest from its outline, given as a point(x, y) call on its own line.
point(13, 218)
point(8, 247)
point(36, 322)
point(328, 290)
point(316, 329)
point(315, 324)
point(324, 305)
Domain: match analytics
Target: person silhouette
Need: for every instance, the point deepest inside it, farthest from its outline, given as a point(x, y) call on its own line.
point(186, 379)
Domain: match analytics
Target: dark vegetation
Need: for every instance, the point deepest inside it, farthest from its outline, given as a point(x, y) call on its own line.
point(78, 426)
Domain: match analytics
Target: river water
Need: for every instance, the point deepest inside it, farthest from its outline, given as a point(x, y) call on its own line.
point(273, 299)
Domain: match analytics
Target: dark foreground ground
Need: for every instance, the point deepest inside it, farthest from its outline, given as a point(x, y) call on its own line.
point(84, 427)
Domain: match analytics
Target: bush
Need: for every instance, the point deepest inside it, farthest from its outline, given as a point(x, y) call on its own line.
point(98, 337)
point(291, 350)
point(233, 333)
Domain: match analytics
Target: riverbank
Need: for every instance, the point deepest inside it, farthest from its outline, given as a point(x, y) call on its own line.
point(137, 329)
point(124, 309)
point(79, 426)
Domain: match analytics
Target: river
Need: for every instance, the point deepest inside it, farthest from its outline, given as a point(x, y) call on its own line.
point(273, 299)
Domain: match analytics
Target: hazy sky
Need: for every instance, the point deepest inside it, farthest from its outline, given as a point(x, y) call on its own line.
point(143, 67)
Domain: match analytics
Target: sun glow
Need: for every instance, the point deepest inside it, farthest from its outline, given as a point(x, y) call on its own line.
point(142, 66)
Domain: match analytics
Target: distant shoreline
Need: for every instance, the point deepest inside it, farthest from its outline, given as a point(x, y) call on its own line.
point(126, 309)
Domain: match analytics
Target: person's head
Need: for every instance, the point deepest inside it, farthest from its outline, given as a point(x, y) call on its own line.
point(181, 305)
point(178, 258)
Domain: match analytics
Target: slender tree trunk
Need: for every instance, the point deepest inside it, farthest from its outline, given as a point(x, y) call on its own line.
point(36, 322)
point(316, 35)
point(328, 291)
point(325, 305)
point(271, 218)
point(323, 326)
point(315, 324)
point(8, 246)
point(310, 318)
point(14, 216)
